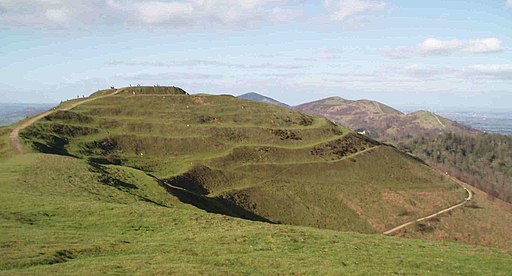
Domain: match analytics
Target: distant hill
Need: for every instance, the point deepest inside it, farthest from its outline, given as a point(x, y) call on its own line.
point(340, 106)
point(260, 98)
point(380, 121)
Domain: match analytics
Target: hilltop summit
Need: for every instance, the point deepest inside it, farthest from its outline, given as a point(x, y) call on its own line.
point(332, 106)
point(139, 90)
point(260, 98)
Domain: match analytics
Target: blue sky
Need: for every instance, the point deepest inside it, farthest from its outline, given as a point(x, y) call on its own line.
point(426, 54)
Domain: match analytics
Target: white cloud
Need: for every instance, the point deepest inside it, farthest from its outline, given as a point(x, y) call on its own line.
point(178, 14)
point(156, 12)
point(50, 13)
point(437, 46)
point(342, 10)
point(225, 13)
point(434, 46)
point(509, 3)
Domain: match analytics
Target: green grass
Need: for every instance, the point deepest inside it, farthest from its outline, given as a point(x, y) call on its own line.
point(95, 220)
point(5, 148)
point(258, 161)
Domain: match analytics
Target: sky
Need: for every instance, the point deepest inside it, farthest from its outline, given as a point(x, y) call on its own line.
point(428, 54)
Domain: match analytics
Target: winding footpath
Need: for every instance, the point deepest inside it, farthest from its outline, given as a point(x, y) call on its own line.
point(439, 120)
point(14, 136)
point(468, 198)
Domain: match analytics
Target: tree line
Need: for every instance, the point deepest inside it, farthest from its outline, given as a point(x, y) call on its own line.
point(482, 160)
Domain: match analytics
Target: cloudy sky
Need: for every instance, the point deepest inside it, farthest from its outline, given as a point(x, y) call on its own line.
point(437, 53)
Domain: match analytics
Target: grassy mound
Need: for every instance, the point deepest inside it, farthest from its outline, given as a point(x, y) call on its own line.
point(247, 159)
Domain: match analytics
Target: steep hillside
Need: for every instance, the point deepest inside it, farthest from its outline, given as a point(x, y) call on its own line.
point(260, 98)
point(247, 159)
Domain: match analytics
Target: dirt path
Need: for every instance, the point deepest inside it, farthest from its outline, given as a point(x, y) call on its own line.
point(14, 137)
point(378, 108)
point(468, 198)
point(438, 120)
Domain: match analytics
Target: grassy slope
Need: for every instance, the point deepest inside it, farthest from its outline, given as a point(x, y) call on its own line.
point(5, 149)
point(90, 220)
point(273, 162)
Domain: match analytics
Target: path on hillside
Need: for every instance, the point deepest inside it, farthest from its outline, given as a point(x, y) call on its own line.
point(378, 107)
point(14, 136)
point(470, 196)
point(438, 120)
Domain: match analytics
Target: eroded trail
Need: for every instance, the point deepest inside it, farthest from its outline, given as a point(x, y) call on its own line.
point(14, 136)
point(439, 121)
point(468, 198)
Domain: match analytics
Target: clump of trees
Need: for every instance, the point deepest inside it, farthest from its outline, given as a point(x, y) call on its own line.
point(482, 160)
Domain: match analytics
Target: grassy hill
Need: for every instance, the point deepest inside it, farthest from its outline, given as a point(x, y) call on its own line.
point(337, 105)
point(90, 219)
point(156, 183)
point(249, 159)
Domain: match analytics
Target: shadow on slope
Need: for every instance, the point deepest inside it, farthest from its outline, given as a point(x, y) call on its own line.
point(216, 205)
